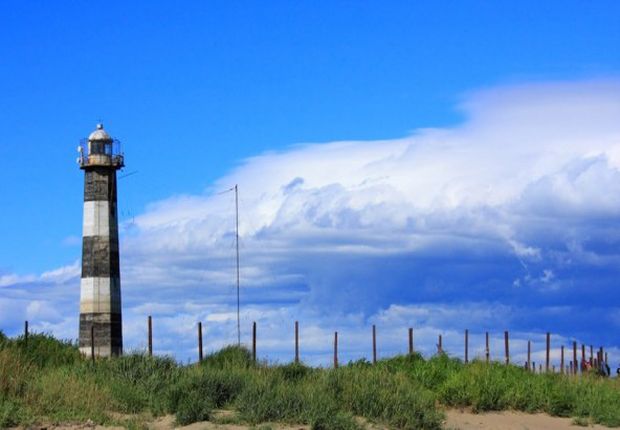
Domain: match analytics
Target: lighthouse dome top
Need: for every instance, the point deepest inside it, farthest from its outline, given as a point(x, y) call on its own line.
point(101, 150)
point(99, 134)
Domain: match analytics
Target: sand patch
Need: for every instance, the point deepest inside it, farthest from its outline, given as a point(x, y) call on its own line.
point(455, 420)
point(509, 420)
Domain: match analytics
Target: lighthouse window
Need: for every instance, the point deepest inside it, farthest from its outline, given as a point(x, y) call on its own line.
point(96, 147)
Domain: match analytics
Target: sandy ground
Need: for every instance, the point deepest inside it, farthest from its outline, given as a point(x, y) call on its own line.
point(462, 420)
point(456, 420)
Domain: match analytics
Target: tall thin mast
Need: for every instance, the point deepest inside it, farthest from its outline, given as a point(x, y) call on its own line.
point(237, 235)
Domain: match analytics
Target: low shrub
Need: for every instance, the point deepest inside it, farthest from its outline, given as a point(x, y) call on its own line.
point(338, 421)
point(266, 399)
point(137, 382)
point(229, 357)
point(293, 372)
point(43, 350)
point(13, 413)
point(199, 390)
point(191, 409)
point(15, 371)
point(379, 393)
point(64, 396)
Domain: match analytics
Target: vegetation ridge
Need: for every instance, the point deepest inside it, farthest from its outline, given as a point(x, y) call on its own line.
point(47, 380)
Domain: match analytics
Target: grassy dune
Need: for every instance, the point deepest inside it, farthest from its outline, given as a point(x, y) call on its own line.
point(48, 381)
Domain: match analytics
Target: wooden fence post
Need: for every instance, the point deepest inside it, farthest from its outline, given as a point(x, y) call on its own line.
point(26, 332)
point(466, 346)
point(199, 341)
point(336, 350)
point(440, 345)
point(374, 344)
point(596, 360)
point(92, 343)
point(533, 367)
point(296, 342)
point(562, 359)
point(591, 355)
point(150, 335)
point(254, 341)
point(548, 352)
point(583, 357)
point(529, 355)
point(507, 347)
point(574, 357)
point(410, 341)
point(487, 351)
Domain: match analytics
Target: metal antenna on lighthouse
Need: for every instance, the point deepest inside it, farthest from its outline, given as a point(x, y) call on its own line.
point(237, 236)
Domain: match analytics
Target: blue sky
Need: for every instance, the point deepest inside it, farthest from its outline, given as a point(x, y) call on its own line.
point(436, 164)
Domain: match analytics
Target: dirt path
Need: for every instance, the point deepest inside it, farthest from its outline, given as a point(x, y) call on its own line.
point(509, 420)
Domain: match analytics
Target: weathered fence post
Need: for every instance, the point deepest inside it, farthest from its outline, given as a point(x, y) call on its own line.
point(199, 341)
point(26, 333)
point(440, 345)
point(529, 355)
point(254, 341)
point(507, 347)
point(596, 360)
point(487, 351)
point(562, 359)
point(591, 355)
point(574, 357)
point(583, 357)
point(92, 343)
point(150, 335)
point(466, 346)
point(533, 367)
point(374, 344)
point(335, 350)
point(296, 342)
point(410, 341)
point(606, 362)
point(548, 352)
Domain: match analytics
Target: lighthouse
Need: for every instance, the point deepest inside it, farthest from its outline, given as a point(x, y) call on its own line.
point(100, 286)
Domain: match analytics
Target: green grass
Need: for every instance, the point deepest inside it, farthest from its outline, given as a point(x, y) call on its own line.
point(47, 380)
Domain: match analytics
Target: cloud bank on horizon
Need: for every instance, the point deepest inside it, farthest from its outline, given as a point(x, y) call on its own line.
point(506, 221)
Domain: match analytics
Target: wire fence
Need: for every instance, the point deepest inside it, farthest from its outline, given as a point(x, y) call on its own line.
point(574, 359)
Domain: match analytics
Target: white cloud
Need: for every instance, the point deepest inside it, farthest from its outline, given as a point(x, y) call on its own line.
point(493, 222)
point(12, 279)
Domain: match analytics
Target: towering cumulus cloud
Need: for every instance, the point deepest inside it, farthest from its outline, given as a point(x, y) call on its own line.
point(508, 220)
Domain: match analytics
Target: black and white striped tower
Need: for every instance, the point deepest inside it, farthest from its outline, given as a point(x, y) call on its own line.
point(100, 289)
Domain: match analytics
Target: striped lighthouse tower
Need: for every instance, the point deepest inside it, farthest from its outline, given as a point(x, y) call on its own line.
point(100, 289)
